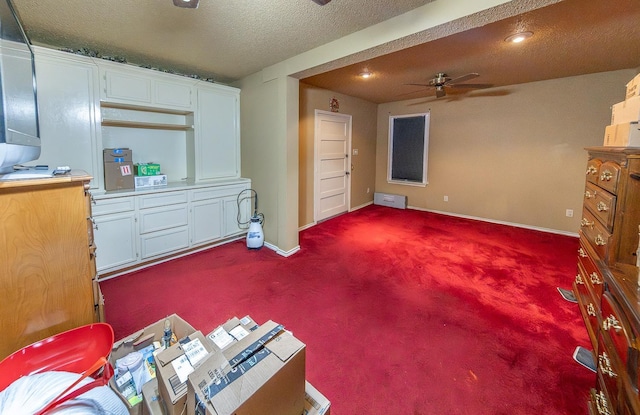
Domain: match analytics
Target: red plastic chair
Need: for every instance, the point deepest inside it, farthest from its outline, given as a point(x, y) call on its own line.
point(84, 350)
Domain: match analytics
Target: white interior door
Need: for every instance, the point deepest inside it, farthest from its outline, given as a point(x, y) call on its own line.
point(332, 165)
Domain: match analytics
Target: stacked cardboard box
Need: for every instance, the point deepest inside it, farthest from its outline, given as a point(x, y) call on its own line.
point(118, 169)
point(239, 368)
point(624, 130)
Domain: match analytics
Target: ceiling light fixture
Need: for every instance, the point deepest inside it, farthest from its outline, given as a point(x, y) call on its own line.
point(190, 4)
point(519, 37)
point(366, 74)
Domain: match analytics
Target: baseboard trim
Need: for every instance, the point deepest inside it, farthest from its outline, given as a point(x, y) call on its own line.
point(280, 251)
point(499, 222)
point(361, 206)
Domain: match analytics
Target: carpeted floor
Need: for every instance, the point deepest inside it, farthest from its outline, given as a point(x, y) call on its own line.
point(402, 312)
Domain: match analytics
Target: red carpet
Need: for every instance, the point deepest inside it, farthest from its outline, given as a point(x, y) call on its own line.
point(402, 312)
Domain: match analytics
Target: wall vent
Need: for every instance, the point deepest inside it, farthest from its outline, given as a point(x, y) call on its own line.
point(394, 201)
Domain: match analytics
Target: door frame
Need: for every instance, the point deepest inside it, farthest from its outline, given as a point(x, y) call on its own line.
point(316, 154)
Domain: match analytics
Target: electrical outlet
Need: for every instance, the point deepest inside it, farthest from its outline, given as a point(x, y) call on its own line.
point(368, 190)
point(446, 198)
point(569, 213)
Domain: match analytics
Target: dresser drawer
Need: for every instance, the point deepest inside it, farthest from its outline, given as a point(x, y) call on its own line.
point(593, 170)
point(608, 176)
point(597, 236)
point(601, 203)
point(589, 306)
point(616, 329)
point(609, 374)
point(592, 275)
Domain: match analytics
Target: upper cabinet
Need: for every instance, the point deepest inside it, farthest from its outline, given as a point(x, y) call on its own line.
point(131, 85)
point(69, 112)
point(190, 127)
point(217, 132)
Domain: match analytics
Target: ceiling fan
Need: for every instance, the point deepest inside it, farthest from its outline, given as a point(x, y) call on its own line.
point(442, 81)
point(193, 4)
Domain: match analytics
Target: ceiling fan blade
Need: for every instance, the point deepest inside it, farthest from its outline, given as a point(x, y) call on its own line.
point(425, 85)
point(321, 2)
point(462, 78)
point(477, 86)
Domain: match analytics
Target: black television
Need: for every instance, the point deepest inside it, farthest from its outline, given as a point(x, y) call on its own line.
point(19, 130)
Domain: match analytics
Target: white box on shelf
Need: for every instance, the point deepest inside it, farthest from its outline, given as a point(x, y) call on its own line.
point(143, 182)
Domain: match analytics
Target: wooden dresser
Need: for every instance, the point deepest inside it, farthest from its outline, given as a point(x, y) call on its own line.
point(606, 284)
point(47, 264)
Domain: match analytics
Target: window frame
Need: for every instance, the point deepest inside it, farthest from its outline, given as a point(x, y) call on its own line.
point(425, 138)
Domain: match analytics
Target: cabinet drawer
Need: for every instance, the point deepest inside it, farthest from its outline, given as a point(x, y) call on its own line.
point(593, 170)
point(601, 203)
point(163, 218)
point(595, 233)
point(164, 242)
point(162, 199)
point(589, 307)
point(113, 205)
point(609, 175)
point(615, 328)
point(215, 192)
point(592, 275)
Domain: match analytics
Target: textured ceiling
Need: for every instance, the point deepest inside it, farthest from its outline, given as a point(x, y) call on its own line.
point(221, 39)
point(229, 39)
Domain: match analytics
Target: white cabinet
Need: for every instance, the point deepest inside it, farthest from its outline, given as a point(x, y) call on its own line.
point(115, 233)
point(217, 132)
point(68, 102)
point(164, 222)
point(136, 86)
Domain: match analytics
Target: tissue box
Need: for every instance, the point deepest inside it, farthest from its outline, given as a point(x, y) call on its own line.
point(146, 169)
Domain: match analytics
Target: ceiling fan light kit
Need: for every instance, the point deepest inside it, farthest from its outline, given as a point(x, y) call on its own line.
point(187, 4)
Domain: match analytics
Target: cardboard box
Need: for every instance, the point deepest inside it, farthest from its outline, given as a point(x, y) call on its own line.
point(626, 111)
point(153, 404)
point(143, 182)
point(146, 169)
point(174, 364)
point(141, 339)
point(622, 135)
point(633, 87)
point(263, 373)
point(118, 169)
point(314, 402)
point(232, 331)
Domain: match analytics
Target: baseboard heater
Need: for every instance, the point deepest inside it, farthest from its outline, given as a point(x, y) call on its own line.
point(394, 201)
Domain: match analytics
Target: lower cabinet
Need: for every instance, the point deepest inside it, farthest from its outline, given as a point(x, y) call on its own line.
point(137, 229)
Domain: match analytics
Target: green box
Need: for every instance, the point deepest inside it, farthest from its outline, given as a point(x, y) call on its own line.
point(146, 169)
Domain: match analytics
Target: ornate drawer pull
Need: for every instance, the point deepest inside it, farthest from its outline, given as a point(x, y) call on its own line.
point(585, 223)
point(602, 405)
point(600, 241)
point(602, 207)
point(606, 175)
point(592, 170)
point(605, 365)
point(579, 279)
point(589, 195)
point(581, 253)
point(611, 322)
point(595, 278)
point(591, 310)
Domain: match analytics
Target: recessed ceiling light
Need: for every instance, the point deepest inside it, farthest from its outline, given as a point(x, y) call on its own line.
point(190, 4)
point(518, 37)
point(366, 74)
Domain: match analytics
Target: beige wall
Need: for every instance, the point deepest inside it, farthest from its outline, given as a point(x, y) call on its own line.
point(515, 158)
point(363, 138)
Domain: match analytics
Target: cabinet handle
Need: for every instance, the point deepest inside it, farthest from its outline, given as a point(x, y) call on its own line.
point(605, 365)
point(606, 176)
point(602, 405)
point(600, 241)
point(595, 278)
point(591, 310)
point(602, 207)
point(585, 223)
point(581, 253)
point(95, 225)
point(579, 279)
point(592, 170)
point(589, 195)
point(611, 322)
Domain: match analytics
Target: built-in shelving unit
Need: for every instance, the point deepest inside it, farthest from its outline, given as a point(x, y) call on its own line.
point(130, 123)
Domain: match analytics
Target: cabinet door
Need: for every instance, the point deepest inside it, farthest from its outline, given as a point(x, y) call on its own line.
point(172, 94)
point(217, 134)
point(121, 86)
point(206, 221)
point(67, 102)
point(115, 237)
point(231, 224)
